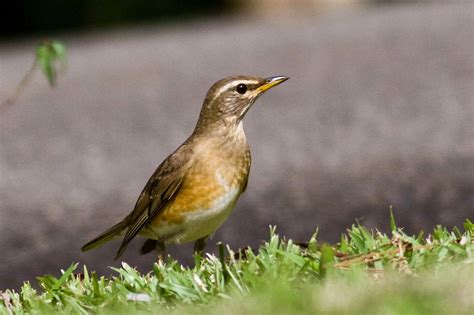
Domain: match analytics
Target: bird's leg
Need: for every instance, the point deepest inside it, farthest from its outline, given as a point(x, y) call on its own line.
point(160, 251)
point(199, 245)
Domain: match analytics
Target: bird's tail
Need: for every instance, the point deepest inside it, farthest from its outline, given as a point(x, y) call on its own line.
point(104, 237)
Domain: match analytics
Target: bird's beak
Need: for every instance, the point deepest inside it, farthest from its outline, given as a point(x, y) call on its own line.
point(271, 82)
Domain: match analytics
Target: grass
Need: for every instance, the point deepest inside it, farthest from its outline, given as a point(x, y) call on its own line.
point(366, 272)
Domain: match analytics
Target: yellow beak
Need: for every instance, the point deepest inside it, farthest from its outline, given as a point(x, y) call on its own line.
point(271, 82)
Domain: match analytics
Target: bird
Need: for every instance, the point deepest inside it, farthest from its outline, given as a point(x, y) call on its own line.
point(194, 190)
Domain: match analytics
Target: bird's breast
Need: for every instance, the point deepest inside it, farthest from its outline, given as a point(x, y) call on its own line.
point(208, 194)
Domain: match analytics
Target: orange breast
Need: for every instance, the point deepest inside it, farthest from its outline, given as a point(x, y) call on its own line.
point(202, 186)
point(197, 192)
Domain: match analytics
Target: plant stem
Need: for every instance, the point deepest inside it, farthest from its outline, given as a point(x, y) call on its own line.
point(21, 86)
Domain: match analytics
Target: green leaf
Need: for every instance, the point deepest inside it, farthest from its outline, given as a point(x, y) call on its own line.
point(368, 237)
point(442, 254)
point(59, 51)
point(393, 224)
point(47, 282)
point(419, 238)
point(457, 232)
point(48, 53)
point(344, 247)
point(65, 276)
point(469, 226)
point(313, 243)
point(358, 240)
point(221, 249)
point(327, 259)
point(44, 59)
point(95, 284)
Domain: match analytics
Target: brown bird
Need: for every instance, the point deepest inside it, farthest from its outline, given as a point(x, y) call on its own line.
point(194, 189)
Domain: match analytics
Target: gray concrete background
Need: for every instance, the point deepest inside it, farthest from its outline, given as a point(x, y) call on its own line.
point(378, 111)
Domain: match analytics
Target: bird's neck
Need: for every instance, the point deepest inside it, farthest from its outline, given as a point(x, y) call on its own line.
point(224, 128)
point(225, 151)
point(225, 137)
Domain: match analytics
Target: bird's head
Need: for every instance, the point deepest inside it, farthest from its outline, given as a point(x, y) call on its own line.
point(229, 99)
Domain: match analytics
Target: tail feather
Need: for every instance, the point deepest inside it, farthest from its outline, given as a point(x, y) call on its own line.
point(104, 237)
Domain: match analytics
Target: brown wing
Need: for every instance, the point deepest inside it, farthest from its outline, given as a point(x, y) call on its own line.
point(160, 189)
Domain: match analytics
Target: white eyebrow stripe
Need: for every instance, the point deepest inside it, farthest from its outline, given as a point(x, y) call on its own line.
point(234, 83)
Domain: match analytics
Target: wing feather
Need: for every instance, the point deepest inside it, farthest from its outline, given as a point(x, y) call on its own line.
point(160, 190)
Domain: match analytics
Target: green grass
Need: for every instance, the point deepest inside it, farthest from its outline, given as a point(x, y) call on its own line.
point(366, 272)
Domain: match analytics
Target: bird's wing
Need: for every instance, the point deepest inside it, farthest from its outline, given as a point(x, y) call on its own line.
point(160, 189)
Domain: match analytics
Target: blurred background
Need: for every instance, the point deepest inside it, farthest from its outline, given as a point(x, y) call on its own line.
point(378, 112)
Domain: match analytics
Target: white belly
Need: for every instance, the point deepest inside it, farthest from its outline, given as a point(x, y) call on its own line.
point(199, 224)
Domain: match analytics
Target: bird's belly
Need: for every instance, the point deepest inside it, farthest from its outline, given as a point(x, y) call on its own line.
point(197, 223)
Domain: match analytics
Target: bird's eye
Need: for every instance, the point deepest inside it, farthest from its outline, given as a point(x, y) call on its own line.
point(241, 88)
